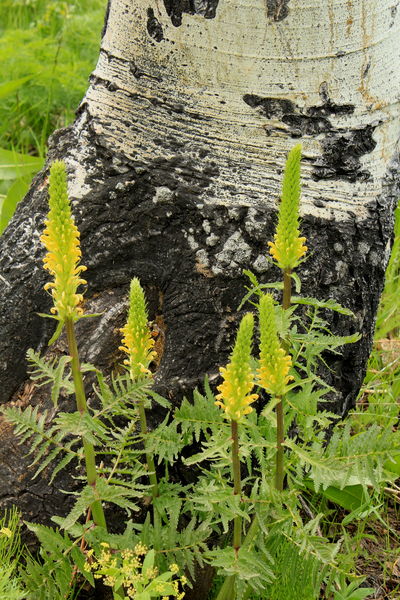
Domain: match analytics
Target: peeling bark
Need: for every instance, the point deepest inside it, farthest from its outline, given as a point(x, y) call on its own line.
point(175, 163)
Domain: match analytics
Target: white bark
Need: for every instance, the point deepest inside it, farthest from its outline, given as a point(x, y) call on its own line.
point(334, 53)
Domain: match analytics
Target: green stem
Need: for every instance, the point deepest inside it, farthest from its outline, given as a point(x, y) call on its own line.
point(226, 591)
point(237, 486)
point(149, 457)
point(152, 476)
point(90, 456)
point(88, 449)
point(279, 471)
point(287, 289)
point(280, 427)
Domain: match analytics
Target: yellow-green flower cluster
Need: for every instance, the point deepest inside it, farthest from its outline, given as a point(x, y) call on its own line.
point(275, 363)
point(61, 239)
point(6, 531)
point(235, 394)
point(127, 569)
point(137, 339)
point(288, 246)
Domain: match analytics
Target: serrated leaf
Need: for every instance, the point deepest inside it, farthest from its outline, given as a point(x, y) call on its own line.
point(329, 304)
point(159, 399)
point(211, 452)
point(297, 283)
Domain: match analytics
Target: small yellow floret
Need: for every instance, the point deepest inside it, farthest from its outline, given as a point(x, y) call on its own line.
point(140, 549)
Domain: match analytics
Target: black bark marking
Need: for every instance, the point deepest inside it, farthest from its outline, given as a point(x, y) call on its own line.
point(342, 153)
point(393, 13)
point(176, 8)
point(135, 70)
point(96, 81)
point(342, 148)
point(270, 107)
point(306, 125)
point(330, 108)
point(154, 27)
point(277, 10)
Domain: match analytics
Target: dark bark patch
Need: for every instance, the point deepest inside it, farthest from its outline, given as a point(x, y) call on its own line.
point(154, 27)
point(330, 108)
point(176, 8)
point(306, 124)
point(277, 10)
point(272, 108)
point(100, 81)
point(341, 155)
point(341, 148)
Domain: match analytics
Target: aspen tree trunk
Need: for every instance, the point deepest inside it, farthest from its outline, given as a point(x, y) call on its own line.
point(175, 162)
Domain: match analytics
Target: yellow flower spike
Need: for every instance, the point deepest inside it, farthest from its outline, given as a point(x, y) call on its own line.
point(137, 340)
point(235, 397)
point(61, 239)
point(275, 363)
point(288, 246)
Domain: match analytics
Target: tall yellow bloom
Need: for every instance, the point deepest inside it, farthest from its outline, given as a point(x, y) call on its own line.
point(137, 340)
point(288, 246)
point(275, 363)
point(235, 397)
point(61, 239)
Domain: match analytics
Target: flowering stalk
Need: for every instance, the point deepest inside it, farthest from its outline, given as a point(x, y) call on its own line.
point(61, 239)
point(288, 248)
point(273, 373)
point(138, 345)
point(235, 398)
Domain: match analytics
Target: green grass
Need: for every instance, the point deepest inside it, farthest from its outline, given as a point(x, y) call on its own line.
point(10, 553)
point(48, 49)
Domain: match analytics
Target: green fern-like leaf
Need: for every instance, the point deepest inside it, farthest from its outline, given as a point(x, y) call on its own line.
point(45, 372)
point(47, 444)
point(53, 575)
point(199, 417)
point(121, 495)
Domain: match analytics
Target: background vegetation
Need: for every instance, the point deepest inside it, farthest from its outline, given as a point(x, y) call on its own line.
point(47, 50)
